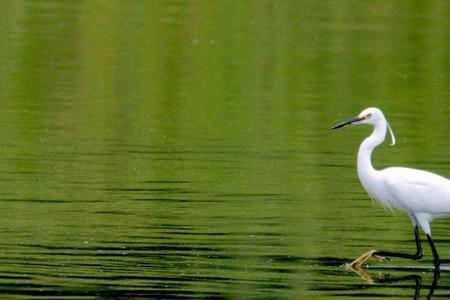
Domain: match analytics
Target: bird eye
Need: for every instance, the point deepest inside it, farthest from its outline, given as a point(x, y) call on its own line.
point(368, 115)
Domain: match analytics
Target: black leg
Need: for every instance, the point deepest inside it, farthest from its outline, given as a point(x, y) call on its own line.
point(437, 261)
point(415, 256)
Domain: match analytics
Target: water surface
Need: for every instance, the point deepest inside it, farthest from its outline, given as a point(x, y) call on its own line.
point(182, 149)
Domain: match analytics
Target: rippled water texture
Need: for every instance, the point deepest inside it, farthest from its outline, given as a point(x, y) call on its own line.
point(182, 149)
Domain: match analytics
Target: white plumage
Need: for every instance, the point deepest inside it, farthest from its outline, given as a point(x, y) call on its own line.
point(417, 191)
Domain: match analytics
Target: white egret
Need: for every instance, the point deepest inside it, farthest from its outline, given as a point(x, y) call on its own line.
point(424, 196)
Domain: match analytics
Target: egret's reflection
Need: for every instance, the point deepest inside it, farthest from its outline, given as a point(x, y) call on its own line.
point(385, 278)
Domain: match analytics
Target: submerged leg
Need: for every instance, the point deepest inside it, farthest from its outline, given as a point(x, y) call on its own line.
point(437, 261)
point(380, 255)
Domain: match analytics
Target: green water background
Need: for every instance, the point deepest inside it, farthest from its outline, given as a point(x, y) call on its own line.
point(182, 149)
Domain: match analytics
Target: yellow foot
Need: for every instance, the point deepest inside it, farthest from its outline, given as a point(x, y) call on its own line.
point(360, 261)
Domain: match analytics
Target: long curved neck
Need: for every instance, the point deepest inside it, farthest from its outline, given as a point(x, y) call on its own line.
point(365, 167)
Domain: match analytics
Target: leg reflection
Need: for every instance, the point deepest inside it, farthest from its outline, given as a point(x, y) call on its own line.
point(386, 278)
point(434, 285)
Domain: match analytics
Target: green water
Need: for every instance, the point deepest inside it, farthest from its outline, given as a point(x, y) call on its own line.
point(182, 149)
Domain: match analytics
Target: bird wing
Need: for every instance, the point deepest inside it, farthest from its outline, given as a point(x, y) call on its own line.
point(418, 191)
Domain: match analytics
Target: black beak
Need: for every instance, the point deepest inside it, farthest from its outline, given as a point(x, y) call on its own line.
point(347, 123)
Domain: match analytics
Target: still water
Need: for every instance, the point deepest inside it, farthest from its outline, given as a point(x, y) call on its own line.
point(182, 149)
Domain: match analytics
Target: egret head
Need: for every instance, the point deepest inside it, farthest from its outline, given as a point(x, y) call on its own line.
point(372, 116)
